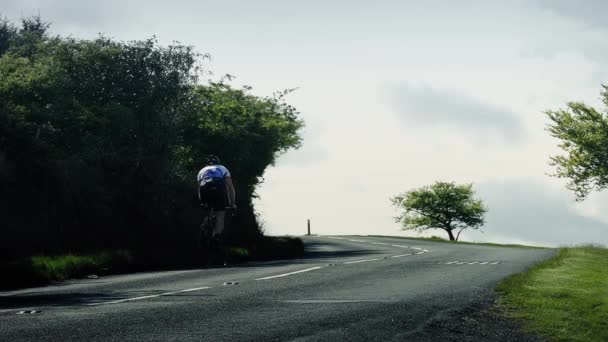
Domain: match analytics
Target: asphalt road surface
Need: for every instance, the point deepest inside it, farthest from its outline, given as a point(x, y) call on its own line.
point(344, 289)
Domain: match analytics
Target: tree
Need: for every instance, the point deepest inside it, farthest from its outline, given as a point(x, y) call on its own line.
point(583, 131)
point(100, 142)
point(7, 33)
point(246, 131)
point(442, 205)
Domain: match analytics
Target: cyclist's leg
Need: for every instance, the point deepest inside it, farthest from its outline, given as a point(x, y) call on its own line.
point(206, 228)
point(218, 238)
point(220, 216)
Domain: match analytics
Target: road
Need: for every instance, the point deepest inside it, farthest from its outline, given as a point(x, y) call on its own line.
point(344, 289)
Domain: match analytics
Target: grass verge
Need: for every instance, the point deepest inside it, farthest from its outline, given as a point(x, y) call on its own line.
point(564, 298)
point(41, 270)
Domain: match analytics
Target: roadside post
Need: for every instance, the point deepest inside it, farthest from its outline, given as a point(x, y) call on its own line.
point(308, 226)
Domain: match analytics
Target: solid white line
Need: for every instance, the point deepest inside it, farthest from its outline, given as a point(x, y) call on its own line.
point(150, 296)
point(358, 261)
point(290, 273)
point(15, 309)
point(401, 255)
point(194, 289)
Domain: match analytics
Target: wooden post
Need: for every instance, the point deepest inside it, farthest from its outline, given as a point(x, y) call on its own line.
point(308, 226)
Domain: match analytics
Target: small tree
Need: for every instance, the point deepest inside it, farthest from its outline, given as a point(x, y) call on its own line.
point(442, 205)
point(584, 134)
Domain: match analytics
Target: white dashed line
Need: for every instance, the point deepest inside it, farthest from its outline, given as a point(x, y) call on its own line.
point(401, 255)
point(150, 296)
point(358, 261)
point(290, 273)
point(470, 263)
point(421, 250)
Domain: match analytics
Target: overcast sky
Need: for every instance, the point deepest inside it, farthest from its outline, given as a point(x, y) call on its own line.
point(395, 95)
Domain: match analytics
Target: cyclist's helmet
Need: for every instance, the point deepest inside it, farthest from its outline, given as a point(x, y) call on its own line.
point(213, 160)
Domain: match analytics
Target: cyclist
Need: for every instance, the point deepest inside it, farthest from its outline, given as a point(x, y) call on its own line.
point(216, 191)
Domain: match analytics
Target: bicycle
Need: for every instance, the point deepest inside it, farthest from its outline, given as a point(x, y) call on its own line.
point(210, 245)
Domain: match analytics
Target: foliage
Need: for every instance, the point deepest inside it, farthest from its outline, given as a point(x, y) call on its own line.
point(247, 132)
point(100, 142)
point(583, 132)
point(564, 298)
point(442, 205)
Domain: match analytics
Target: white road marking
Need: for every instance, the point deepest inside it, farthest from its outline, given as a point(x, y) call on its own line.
point(23, 312)
point(290, 273)
point(150, 296)
point(401, 255)
point(473, 263)
point(11, 310)
point(451, 262)
point(331, 301)
point(421, 251)
point(483, 263)
point(495, 263)
point(358, 261)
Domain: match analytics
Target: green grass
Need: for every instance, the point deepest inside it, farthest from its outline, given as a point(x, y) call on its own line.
point(564, 298)
point(439, 239)
point(41, 270)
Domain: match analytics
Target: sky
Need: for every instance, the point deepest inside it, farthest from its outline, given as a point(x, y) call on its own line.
point(395, 95)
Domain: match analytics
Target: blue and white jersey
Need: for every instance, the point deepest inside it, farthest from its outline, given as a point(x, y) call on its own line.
point(212, 171)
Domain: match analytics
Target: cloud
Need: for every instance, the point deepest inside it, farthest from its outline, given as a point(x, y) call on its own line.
point(570, 28)
point(590, 12)
point(472, 118)
point(313, 149)
point(305, 156)
point(73, 11)
point(532, 211)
